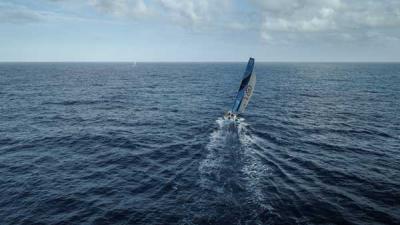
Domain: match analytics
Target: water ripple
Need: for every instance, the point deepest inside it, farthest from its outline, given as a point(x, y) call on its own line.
point(108, 143)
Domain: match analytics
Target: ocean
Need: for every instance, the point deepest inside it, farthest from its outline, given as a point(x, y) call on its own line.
point(115, 143)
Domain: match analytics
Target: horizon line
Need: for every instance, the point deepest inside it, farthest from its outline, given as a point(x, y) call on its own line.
point(220, 61)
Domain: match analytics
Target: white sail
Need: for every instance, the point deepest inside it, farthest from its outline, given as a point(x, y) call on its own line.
point(248, 93)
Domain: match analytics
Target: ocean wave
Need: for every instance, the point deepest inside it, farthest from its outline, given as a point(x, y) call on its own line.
point(145, 147)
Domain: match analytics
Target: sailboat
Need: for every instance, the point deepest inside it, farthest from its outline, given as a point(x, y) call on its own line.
point(244, 93)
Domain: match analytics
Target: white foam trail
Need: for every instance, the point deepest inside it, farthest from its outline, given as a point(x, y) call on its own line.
point(210, 166)
point(253, 168)
point(221, 140)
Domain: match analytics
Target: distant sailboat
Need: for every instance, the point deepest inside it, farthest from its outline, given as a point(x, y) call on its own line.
point(244, 93)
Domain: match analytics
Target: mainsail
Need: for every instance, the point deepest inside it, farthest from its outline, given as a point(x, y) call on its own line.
point(246, 89)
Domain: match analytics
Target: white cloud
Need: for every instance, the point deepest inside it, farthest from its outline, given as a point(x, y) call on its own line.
point(190, 11)
point(187, 13)
point(335, 16)
point(346, 20)
point(122, 8)
point(194, 12)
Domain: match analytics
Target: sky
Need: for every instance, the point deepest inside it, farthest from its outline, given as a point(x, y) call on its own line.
point(200, 30)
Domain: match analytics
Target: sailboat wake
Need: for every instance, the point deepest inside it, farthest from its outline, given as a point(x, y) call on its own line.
point(253, 169)
point(231, 163)
point(222, 150)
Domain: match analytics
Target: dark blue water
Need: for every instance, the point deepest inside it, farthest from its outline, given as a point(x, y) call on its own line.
point(112, 143)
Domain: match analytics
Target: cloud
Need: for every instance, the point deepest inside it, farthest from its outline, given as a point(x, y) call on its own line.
point(237, 26)
point(191, 11)
point(122, 8)
point(351, 18)
point(20, 14)
point(195, 12)
point(286, 20)
point(10, 13)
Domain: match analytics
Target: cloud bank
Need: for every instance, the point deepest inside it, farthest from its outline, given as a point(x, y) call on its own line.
point(276, 21)
point(347, 20)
